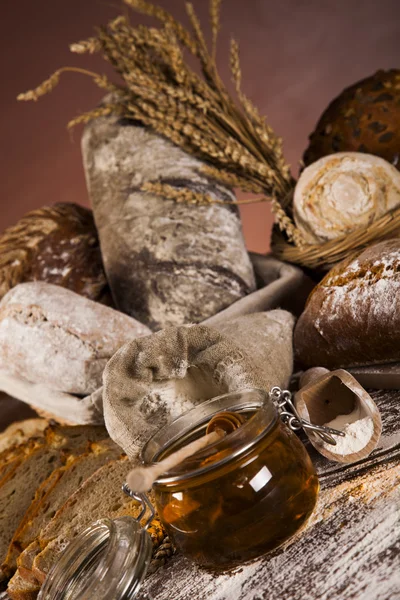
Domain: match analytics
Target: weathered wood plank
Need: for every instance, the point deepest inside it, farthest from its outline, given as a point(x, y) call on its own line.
point(349, 550)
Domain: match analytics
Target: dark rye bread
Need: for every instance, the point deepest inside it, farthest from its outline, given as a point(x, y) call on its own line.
point(167, 262)
point(17, 493)
point(53, 493)
point(100, 496)
point(12, 457)
point(57, 244)
point(352, 317)
point(365, 117)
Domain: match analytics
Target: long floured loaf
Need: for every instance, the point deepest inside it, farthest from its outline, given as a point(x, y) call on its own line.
point(167, 262)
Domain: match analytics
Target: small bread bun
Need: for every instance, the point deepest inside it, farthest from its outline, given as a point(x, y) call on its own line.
point(341, 192)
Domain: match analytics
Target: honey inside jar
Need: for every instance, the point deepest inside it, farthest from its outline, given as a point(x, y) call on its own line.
point(242, 496)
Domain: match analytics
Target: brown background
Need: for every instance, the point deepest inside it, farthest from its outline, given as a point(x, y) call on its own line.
point(296, 56)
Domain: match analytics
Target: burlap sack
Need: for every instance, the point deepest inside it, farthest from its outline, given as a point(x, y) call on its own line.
point(152, 380)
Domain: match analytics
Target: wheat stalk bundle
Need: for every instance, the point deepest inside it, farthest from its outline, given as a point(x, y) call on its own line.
point(197, 113)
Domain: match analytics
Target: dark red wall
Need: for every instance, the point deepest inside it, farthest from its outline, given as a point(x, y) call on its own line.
point(296, 55)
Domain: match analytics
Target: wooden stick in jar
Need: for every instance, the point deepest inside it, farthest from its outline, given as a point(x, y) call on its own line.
point(141, 479)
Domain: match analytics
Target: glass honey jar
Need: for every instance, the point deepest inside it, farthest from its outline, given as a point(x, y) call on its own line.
point(240, 497)
point(229, 503)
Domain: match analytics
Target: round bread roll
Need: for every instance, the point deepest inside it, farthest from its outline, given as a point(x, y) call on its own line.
point(365, 117)
point(352, 317)
point(341, 192)
point(56, 244)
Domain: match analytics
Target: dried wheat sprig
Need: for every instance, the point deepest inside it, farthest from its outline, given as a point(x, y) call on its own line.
point(183, 195)
point(187, 196)
point(49, 84)
point(286, 224)
point(89, 46)
point(215, 9)
point(101, 111)
point(162, 15)
point(233, 180)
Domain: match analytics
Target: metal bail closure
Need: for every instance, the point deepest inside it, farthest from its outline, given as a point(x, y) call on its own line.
point(289, 415)
point(109, 559)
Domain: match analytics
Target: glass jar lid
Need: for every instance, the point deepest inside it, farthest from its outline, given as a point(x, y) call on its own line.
point(108, 560)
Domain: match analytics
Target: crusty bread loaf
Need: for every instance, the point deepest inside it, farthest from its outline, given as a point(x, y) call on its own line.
point(52, 494)
point(167, 263)
point(17, 493)
point(20, 432)
point(52, 336)
point(25, 562)
point(352, 317)
point(57, 244)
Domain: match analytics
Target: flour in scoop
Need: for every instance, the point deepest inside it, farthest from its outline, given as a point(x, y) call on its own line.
point(358, 433)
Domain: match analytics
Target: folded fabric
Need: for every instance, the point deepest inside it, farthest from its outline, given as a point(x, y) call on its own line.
point(152, 380)
point(279, 285)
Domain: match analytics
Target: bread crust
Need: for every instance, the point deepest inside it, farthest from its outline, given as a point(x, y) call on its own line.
point(352, 317)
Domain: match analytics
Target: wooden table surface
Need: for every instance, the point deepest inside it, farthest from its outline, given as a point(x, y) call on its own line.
point(349, 550)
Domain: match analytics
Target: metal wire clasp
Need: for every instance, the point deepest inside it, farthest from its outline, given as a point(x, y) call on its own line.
point(289, 415)
point(144, 501)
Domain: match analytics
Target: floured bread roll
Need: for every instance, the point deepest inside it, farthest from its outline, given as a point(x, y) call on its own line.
point(341, 192)
point(54, 337)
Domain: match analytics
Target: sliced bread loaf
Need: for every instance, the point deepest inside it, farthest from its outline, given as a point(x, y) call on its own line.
point(19, 589)
point(21, 431)
point(25, 562)
point(53, 493)
point(17, 493)
point(100, 496)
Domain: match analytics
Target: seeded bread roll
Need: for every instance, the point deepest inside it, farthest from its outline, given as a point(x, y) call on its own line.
point(167, 263)
point(57, 244)
point(352, 317)
point(365, 117)
point(54, 337)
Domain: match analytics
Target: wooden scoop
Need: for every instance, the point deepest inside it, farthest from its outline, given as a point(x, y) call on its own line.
point(325, 396)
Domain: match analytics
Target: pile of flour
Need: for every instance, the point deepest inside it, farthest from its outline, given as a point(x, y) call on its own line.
point(358, 432)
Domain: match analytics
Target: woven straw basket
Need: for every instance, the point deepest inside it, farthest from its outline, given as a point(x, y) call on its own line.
point(324, 256)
